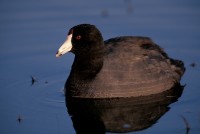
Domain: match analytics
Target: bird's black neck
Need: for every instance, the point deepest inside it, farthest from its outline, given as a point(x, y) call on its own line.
point(86, 65)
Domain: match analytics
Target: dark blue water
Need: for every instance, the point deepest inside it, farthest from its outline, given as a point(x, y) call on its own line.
point(32, 30)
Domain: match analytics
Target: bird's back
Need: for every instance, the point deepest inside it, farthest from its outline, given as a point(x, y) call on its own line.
point(134, 66)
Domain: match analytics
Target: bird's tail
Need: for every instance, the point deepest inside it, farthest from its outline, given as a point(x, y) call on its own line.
point(179, 66)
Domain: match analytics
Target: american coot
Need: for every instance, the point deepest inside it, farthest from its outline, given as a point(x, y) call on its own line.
point(126, 66)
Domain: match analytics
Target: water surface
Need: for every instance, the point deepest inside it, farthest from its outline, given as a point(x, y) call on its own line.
point(32, 30)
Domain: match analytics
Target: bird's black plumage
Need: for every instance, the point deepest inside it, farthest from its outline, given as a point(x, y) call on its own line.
point(126, 66)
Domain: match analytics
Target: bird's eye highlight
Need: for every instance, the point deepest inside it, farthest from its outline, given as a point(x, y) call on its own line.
point(78, 37)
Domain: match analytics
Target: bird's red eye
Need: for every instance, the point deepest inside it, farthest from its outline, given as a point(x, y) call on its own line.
point(78, 37)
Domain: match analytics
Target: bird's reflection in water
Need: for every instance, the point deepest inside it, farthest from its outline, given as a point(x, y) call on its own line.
point(98, 116)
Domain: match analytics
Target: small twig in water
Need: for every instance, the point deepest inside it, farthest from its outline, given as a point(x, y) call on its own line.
point(19, 119)
point(193, 64)
point(33, 80)
point(187, 126)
